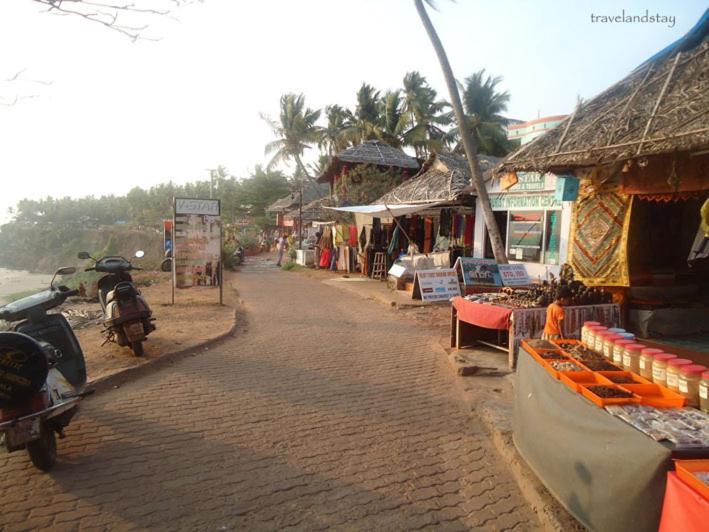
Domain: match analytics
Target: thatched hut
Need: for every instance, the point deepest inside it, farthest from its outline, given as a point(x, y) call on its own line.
point(640, 151)
point(311, 192)
point(361, 173)
point(443, 178)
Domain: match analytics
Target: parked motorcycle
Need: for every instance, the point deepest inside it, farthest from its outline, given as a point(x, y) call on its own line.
point(42, 374)
point(126, 315)
point(237, 258)
point(166, 264)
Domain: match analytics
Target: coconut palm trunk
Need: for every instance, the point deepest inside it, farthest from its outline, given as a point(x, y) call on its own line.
point(498, 247)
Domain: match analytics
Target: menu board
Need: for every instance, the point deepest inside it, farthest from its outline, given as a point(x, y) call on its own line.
point(436, 285)
point(514, 274)
point(478, 272)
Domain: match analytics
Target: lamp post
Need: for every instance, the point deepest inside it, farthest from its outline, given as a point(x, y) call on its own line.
point(300, 217)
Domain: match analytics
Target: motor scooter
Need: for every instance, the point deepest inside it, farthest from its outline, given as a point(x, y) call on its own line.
point(42, 374)
point(237, 258)
point(126, 315)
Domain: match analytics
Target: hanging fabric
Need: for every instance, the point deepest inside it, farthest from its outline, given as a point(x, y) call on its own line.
point(445, 229)
point(428, 235)
point(363, 239)
point(469, 226)
point(394, 244)
point(325, 257)
point(376, 236)
point(352, 242)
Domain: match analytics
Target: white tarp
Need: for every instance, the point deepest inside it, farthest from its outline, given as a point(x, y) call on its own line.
point(386, 211)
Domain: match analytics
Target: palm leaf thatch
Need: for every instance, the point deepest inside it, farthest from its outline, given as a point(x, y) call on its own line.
point(368, 152)
point(315, 211)
point(291, 201)
point(661, 107)
point(443, 177)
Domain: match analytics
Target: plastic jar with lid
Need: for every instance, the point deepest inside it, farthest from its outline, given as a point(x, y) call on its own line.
point(609, 343)
point(616, 330)
point(673, 368)
point(627, 335)
point(689, 378)
point(659, 368)
point(704, 392)
point(631, 357)
point(584, 330)
point(598, 341)
point(618, 349)
point(646, 357)
point(592, 333)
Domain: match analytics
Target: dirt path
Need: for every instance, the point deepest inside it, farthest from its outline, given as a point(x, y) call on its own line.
point(324, 411)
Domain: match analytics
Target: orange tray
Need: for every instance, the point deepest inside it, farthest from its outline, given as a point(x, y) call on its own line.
point(656, 395)
point(637, 379)
point(686, 469)
point(562, 343)
point(574, 379)
point(603, 402)
point(536, 354)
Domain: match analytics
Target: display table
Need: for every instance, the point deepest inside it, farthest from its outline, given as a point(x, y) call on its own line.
point(475, 322)
point(607, 474)
point(684, 510)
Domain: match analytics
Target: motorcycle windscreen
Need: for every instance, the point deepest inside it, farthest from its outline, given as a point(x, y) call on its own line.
point(54, 329)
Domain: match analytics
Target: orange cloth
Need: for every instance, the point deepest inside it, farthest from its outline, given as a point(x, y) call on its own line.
point(555, 314)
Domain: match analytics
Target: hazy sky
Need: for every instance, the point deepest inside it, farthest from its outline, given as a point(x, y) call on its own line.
point(119, 114)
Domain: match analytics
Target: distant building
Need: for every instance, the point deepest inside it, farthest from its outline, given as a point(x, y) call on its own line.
point(528, 131)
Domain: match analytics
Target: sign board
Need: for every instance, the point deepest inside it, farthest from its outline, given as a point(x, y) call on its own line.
point(478, 272)
point(167, 236)
point(197, 243)
point(514, 274)
point(398, 271)
point(436, 285)
point(529, 181)
point(501, 202)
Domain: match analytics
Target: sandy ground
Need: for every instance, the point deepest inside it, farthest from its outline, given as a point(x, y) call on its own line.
point(195, 318)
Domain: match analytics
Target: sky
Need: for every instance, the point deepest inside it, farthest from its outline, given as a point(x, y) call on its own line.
point(98, 113)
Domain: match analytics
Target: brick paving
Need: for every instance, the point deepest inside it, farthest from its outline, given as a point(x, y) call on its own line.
point(325, 411)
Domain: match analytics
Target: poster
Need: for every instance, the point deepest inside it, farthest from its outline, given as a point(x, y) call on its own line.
point(436, 285)
point(478, 272)
point(167, 237)
point(514, 274)
point(197, 243)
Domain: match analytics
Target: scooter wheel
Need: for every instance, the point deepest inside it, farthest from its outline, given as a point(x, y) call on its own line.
point(43, 452)
point(166, 265)
point(137, 348)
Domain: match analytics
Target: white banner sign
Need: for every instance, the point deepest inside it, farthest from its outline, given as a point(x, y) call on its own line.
point(436, 285)
point(514, 274)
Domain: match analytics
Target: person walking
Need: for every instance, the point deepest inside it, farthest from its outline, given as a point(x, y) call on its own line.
point(281, 248)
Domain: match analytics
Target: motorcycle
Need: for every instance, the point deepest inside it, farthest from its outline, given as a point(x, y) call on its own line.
point(166, 264)
point(237, 258)
point(127, 316)
point(42, 374)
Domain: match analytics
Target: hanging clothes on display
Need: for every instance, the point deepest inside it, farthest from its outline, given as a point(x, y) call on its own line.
point(352, 242)
point(445, 227)
point(394, 244)
point(363, 239)
point(468, 234)
point(376, 236)
point(325, 257)
point(427, 235)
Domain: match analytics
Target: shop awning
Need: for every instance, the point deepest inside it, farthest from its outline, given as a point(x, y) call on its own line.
point(382, 210)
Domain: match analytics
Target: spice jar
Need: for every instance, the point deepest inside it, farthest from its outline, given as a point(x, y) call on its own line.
point(646, 357)
point(704, 392)
point(627, 335)
point(609, 343)
point(631, 357)
point(673, 368)
point(584, 330)
point(659, 368)
point(598, 341)
point(592, 333)
point(616, 330)
point(689, 377)
point(618, 349)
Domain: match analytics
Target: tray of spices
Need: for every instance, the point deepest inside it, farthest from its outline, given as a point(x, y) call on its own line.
point(608, 394)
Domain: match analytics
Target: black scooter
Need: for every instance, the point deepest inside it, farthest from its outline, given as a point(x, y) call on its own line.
point(42, 374)
point(126, 315)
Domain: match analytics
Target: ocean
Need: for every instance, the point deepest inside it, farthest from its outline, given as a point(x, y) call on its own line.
point(14, 281)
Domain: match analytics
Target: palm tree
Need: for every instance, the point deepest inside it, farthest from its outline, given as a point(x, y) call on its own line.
point(365, 121)
point(469, 144)
point(332, 137)
point(483, 107)
point(296, 130)
point(392, 120)
point(425, 115)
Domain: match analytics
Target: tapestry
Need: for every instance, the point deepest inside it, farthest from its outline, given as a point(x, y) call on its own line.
point(599, 239)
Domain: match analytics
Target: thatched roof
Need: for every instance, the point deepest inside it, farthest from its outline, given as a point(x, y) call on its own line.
point(315, 211)
point(661, 107)
point(443, 177)
point(369, 152)
point(311, 192)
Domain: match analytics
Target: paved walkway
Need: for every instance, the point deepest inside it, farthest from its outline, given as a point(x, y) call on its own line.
point(324, 411)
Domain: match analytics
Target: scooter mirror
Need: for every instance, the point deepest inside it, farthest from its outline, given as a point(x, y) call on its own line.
point(83, 255)
point(139, 254)
point(69, 270)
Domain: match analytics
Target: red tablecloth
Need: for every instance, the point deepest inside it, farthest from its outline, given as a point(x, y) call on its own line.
point(684, 510)
point(482, 314)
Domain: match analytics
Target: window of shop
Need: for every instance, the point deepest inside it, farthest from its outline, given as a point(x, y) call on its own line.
point(529, 236)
